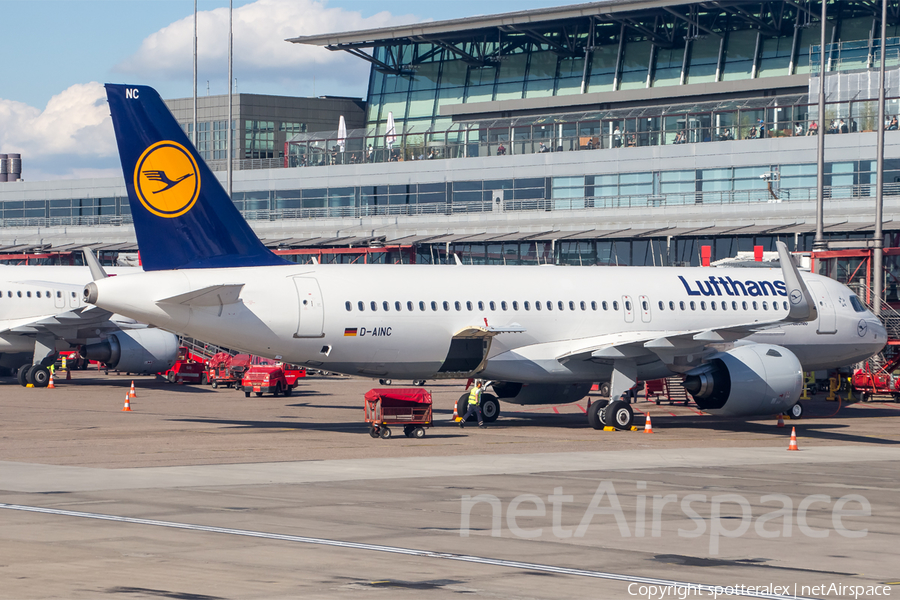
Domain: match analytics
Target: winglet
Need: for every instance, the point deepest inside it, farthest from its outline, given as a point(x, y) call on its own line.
point(802, 305)
point(93, 264)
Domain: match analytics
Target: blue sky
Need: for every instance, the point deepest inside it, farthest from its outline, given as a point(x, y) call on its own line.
point(57, 53)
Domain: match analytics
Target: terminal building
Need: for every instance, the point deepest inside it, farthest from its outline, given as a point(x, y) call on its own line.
point(625, 132)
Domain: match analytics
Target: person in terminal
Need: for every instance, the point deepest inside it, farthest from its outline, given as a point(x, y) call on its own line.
point(798, 129)
point(813, 129)
point(543, 148)
point(474, 405)
point(893, 124)
point(842, 127)
point(501, 150)
point(617, 138)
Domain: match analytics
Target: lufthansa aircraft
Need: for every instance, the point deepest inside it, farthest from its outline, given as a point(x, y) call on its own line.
point(740, 337)
point(42, 313)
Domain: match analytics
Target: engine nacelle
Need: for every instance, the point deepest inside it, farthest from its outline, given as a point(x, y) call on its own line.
point(135, 350)
point(540, 393)
point(755, 379)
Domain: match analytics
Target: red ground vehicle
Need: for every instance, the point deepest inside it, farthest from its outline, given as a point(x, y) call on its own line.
point(227, 370)
point(186, 369)
point(867, 383)
point(410, 407)
point(271, 378)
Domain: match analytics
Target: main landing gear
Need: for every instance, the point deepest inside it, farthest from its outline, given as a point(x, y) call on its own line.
point(36, 375)
point(604, 413)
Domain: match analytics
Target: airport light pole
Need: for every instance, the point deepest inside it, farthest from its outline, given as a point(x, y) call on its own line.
point(878, 242)
point(230, 134)
point(819, 243)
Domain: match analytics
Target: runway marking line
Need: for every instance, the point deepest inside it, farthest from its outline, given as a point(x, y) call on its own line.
point(512, 564)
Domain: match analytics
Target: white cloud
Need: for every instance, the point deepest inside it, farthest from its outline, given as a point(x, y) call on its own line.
point(260, 52)
point(73, 129)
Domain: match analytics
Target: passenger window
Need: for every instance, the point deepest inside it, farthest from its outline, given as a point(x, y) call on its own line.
point(583, 305)
point(703, 305)
point(593, 305)
point(615, 305)
point(38, 294)
point(492, 305)
point(724, 305)
point(785, 305)
point(468, 305)
point(646, 305)
point(59, 294)
point(386, 305)
point(671, 305)
point(628, 305)
point(561, 306)
point(713, 305)
point(527, 305)
point(410, 306)
point(361, 306)
point(693, 305)
point(681, 305)
point(765, 305)
point(9, 294)
point(73, 294)
point(373, 305)
point(605, 305)
point(480, 305)
point(457, 305)
point(537, 305)
point(446, 305)
point(515, 305)
point(661, 305)
point(755, 305)
point(733, 305)
point(421, 305)
point(348, 306)
point(744, 305)
point(433, 305)
point(503, 305)
point(549, 305)
point(28, 294)
point(397, 306)
point(19, 294)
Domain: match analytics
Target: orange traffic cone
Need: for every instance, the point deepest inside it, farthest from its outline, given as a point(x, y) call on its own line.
point(793, 444)
point(50, 385)
point(780, 421)
point(127, 407)
point(131, 393)
point(456, 418)
point(648, 426)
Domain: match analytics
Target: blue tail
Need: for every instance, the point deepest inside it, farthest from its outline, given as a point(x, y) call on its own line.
point(182, 216)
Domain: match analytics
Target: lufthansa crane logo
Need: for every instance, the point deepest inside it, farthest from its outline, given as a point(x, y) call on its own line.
point(796, 296)
point(166, 179)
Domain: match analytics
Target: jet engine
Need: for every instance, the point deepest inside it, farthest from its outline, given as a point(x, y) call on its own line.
point(540, 393)
point(754, 379)
point(135, 350)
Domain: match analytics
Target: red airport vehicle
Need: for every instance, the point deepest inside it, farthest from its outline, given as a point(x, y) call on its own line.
point(270, 377)
point(227, 370)
point(867, 383)
point(410, 407)
point(187, 369)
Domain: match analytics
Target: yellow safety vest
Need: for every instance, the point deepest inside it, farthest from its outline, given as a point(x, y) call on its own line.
point(475, 395)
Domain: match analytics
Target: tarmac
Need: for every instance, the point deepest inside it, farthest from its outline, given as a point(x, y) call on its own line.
point(204, 494)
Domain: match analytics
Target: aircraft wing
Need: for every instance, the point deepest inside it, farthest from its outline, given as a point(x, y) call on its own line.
point(81, 322)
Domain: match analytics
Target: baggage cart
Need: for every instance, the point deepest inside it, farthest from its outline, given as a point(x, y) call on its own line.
point(409, 407)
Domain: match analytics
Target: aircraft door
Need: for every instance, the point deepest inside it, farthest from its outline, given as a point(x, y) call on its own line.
point(312, 310)
point(73, 299)
point(645, 308)
point(59, 301)
point(827, 322)
point(628, 309)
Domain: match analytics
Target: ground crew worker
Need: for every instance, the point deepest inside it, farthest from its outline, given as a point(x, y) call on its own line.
point(474, 405)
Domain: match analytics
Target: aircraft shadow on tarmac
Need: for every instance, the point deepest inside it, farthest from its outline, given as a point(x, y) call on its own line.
point(344, 427)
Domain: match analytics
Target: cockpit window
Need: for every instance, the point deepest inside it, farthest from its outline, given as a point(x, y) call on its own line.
point(856, 304)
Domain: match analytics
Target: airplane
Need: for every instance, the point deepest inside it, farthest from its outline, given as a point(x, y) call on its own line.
point(42, 313)
point(741, 337)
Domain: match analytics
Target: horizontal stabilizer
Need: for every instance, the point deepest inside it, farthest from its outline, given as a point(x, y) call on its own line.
point(213, 295)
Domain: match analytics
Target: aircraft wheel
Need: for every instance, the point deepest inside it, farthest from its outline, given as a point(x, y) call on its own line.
point(618, 414)
point(384, 382)
point(385, 433)
point(419, 382)
point(604, 389)
point(39, 376)
point(796, 411)
point(490, 408)
point(595, 413)
point(22, 374)
point(418, 432)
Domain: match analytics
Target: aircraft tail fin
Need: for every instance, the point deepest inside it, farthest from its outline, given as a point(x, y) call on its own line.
point(182, 216)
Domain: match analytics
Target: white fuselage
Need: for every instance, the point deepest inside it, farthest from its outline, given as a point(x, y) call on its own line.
point(398, 320)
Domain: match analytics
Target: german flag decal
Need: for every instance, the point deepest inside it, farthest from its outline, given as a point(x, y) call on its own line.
point(350, 332)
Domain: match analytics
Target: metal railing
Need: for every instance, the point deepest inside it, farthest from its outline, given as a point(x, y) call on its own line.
point(485, 206)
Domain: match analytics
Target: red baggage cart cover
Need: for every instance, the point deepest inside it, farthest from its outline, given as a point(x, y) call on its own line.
point(398, 396)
